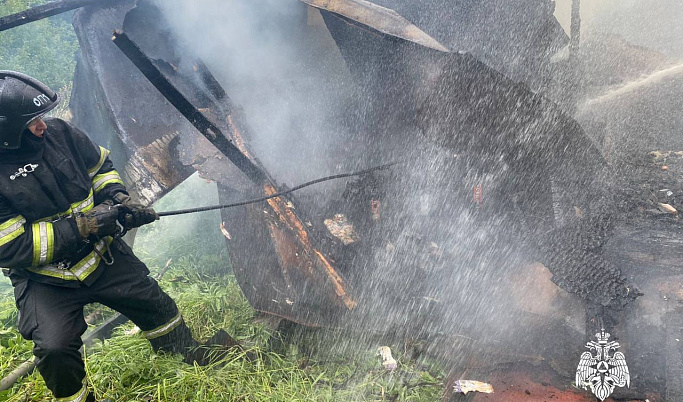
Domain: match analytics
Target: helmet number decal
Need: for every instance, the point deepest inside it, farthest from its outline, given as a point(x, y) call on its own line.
point(41, 100)
point(24, 171)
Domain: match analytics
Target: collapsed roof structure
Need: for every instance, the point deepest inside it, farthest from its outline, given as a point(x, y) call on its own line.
point(476, 101)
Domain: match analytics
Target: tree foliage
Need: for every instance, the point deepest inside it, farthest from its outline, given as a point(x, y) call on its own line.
point(44, 49)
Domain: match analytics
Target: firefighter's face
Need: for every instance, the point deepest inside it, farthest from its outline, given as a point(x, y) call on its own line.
point(38, 127)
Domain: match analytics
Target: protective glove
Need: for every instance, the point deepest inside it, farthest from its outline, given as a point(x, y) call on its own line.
point(99, 221)
point(134, 213)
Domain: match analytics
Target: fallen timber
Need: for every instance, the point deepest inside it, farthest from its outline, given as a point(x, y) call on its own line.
point(382, 19)
point(45, 11)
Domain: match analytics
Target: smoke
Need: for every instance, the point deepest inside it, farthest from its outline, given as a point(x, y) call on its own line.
point(655, 24)
point(439, 261)
point(284, 73)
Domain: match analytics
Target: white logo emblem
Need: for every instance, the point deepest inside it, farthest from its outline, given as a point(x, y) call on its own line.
point(602, 372)
point(41, 100)
point(24, 171)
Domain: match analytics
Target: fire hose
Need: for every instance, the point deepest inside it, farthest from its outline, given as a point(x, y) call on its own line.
point(278, 194)
point(108, 259)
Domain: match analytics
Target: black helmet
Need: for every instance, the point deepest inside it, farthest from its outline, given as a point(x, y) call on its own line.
point(22, 100)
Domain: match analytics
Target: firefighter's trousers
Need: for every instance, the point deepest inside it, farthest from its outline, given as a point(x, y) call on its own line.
point(52, 317)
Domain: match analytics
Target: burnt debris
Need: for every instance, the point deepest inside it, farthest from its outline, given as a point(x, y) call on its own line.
point(499, 177)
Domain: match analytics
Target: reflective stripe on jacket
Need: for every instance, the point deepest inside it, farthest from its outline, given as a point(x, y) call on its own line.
point(42, 185)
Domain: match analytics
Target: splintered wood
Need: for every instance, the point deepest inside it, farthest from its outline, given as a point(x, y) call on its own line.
point(667, 208)
point(340, 228)
point(466, 386)
point(225, 232)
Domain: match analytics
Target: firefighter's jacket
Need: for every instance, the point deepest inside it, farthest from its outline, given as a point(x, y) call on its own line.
point(42, 185)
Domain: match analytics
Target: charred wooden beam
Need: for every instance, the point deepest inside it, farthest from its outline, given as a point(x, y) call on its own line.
point(211, 82)
point(381, 19)
point(46, 10)
point(185, 107)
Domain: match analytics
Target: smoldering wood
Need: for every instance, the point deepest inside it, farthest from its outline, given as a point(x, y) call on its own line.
point(649, 247)
point(211, 82)
point(187, 109)
point(47, 10)
point(102, 75)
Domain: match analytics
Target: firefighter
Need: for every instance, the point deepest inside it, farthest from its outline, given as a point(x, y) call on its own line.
point(61, 204)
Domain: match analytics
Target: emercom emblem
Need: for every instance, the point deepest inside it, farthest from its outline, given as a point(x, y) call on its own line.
point(24, 171)
point(604, 369)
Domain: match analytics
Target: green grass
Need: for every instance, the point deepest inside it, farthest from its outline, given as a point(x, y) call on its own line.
point(124, 368)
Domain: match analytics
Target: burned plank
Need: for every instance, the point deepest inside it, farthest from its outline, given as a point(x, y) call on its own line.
point(648, 247)
point(47, 10)
point(159, 159)
point(211, 82)
point(105, 329)
point(382, 19)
